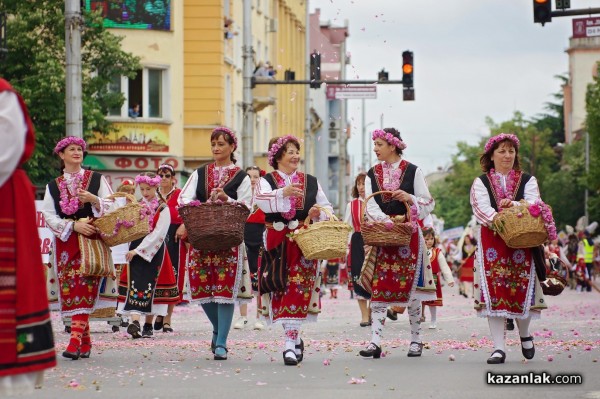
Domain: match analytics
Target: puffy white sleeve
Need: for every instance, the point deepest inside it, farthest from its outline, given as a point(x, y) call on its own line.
point(104, 205)
point(422, 198)
point(188, 192)
point(323, 202)
point(444, 268)
point(481, 204)
point(374, 212)
point(269, 200)
point(60, 227)
point(152, 242)
point(13, 130)
point(244, 192)
point(348, 216)
point(532, 191)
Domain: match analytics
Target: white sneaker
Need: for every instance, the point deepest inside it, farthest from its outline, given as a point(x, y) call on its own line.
point(432, 326)
point(259, 325)
point(240, 324)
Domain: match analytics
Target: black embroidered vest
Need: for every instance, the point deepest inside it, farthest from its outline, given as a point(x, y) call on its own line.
point(311, 188)
point(519, 194)
point(230, 187)
point(387, 205)
point(93, 186)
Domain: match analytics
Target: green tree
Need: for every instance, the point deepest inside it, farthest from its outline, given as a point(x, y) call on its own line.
point(35, 66)
point(593, 128)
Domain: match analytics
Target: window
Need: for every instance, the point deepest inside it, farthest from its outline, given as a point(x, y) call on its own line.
point(144, 94)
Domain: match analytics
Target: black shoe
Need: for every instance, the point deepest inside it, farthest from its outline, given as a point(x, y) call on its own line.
point(392, 315)
point(412, 352)
point(288, 361)
point(365, 323)
point(158, 325)
point(510, 324)
point(213, 342)
point(147, 331)
point(527, 353)
point(134, 329)
point(167, 328)
point(220, 357)
point(372, 350)
point(71, 355)
point(497, 360)
point(86, 355)
point(301, 347)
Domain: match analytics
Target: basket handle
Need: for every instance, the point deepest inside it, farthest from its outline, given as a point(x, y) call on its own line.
point(365, 210)
point(327, 212)
point(130, 197)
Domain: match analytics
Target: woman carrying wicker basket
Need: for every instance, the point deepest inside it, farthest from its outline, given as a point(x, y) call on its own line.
point(288, 197)
point(70, 201)
point(215, 277)
point(506, 285)
point(147, 285)
point(401, 276)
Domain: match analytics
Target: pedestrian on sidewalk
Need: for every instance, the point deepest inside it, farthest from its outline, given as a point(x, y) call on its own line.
point(147, 285)
point(26, 340)
point(438, 267)
point(506, 284)
point(288, 197)
point(253, 239)
point(401, 276)
point(221, 270)
point(70, 202)
point(356, 247)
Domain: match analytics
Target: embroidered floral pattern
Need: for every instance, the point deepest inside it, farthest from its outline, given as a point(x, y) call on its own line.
point(69, 201)
point(491, 254)
point(512, 179)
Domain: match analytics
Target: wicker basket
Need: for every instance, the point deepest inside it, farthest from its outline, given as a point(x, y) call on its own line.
point(215, 226)
point(518, 228)
point(323, 240)
point(378, 234)
point(103, 313)
point(131, 212)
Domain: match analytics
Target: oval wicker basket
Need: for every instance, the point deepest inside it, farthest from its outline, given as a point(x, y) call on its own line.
point(323, 240)
point(378, 234)
point(215, 226)
point(130, 212)
point(518, 228)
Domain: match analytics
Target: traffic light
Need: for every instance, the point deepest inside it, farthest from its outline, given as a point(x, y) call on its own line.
point(542, 11)
point(315, 70)
point(289, 75)
point(407, 69)
point(383, 76)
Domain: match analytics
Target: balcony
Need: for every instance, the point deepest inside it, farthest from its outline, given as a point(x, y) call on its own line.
point(264, 95)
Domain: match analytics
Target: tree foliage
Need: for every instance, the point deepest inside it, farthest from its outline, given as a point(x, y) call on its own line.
point(35, 66)
point(593, 128)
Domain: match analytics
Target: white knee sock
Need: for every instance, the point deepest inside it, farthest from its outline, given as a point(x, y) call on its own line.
point(291, 334)
point(378, 315)
point(497, 330)
point(523, 325)
point(414, 317)
point(433, 311)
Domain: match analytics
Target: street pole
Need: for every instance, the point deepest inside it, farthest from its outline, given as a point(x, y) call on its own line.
point(587, 172)
point(308, 143)
point(365, 159)
point(74, 112)
point(247, 132)
point(343, 137)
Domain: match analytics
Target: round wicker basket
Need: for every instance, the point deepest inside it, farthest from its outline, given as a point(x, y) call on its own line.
point(323, 240)
point(518, 228)
point(130, 212)
point(379, 234)
point(215, 226)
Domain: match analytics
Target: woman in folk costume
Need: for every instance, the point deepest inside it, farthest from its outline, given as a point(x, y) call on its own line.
point(169, 193)
point(356, 250)
point(402, 275)
point(438, 266)
point(26, 340)
point(70, 201)
point(466, 268)
point(147, 285)
point(288, 196)
point(506, 285)
point(253, 239)
point(215, 277)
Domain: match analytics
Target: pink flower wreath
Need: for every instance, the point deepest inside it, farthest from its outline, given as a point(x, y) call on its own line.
point(151, 181)
point(277, 146)
point(501, 137)
point(67, 141)
point(389, 138)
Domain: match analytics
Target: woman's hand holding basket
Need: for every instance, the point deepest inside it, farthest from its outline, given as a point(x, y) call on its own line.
point(85, 228)
point(401, 195)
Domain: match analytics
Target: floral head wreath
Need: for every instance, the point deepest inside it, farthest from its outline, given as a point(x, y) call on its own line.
point(67, 141)
point(501, 137)
point(229, 132)
point(389, 138)
point(279, 144)
point(151, 181)
point(127, 182)
point(166, 166)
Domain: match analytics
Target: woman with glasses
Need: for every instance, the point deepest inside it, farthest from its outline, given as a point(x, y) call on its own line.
point(169, 193)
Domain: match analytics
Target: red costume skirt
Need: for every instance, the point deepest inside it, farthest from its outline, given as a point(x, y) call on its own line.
point(466, 270)
point(438, 293)
point(507, 277)
point(295, 302)
point(214, 276)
